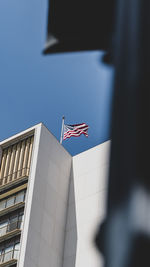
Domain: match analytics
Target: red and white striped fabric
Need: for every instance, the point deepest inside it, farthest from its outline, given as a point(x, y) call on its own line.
point(75, 130)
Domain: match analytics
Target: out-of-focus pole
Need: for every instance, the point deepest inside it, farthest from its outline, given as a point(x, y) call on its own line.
point(126, 231)
point(62, 130)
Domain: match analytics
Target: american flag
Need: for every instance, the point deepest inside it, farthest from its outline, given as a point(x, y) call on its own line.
point(75, 130)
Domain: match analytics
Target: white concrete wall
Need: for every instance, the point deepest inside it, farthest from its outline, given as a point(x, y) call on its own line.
point(70, 246)
point(46, 205)
point(86, 206)
point(58, 231)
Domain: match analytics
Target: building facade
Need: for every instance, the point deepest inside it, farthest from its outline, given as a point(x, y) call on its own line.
point(50, 202)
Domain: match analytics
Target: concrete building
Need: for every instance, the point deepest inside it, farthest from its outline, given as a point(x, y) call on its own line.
point(50, 202)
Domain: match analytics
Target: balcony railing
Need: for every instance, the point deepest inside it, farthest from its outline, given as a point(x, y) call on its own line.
point(10, 255)
point(14, 176)
point(15, 162)
point(10, 227)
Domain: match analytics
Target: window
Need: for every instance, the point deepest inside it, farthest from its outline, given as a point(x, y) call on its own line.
point(11, 223)
point(20, 197)
point(2, 204)
point(17, 198)
point(3, 228)
point(9, 252)
point(20, 221)
point(10, 201)
point(16, 250)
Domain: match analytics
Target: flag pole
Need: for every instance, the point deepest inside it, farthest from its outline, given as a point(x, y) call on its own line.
point(62, 130)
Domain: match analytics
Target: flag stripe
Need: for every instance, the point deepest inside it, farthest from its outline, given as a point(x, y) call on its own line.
point(75, 135)
point(72, 132)
point(75, 130)
point(73, 125)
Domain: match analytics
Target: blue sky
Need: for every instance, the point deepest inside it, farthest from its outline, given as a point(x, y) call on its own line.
point(36, 88)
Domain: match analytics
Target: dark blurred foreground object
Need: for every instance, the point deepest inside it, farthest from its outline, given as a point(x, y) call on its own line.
point(79, 25)
point(124, 237)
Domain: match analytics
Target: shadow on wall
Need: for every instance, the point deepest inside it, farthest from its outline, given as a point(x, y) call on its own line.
point(70, 247)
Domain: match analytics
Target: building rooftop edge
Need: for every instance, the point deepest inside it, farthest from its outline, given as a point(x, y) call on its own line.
point(17, 135)
point(32, 128)
point(92, 148)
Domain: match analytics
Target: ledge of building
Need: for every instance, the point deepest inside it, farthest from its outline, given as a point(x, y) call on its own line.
point(8, 263)
point(12, 208)
point(13, 191)
point(13, 183)
point(10, 234)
